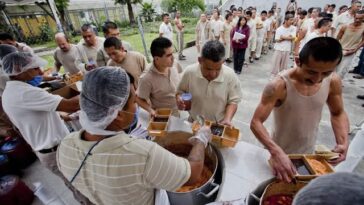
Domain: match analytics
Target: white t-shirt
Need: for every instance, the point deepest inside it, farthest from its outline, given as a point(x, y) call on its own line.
point(33, 111)
point(216, 27)
point(166, 30)
point(343, 19)
point(308, 37)
point(283, 31)
point(266, 25)
point(252, 28)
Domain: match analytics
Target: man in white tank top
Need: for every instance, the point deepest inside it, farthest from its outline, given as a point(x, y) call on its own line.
point(296, 97)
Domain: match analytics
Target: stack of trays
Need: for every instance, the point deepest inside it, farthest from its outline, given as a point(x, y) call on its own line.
point(310, 166)
point(158, 125)
point(222, 135)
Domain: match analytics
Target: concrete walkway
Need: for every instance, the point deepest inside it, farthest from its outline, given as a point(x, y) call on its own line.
point(253, 79)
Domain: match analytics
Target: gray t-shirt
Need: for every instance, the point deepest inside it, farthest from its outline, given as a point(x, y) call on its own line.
point(67, 59)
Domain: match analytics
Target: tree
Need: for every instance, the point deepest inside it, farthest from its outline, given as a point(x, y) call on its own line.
point(62, 7)
point(148, 11)
point(185, 6)
point(130, 8)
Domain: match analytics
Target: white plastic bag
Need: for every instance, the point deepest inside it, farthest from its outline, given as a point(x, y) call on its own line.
point(161, 197)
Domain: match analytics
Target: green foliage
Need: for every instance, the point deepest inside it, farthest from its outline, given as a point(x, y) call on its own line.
point(62, 5)
point(185, 6)
point(46, 33)
point(148, 11)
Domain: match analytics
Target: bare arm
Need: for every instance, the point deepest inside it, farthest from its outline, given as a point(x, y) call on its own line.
point(230, 111)
point(341, 33)
point(69, 105)
point(281, 164)
point(339, 118)
point(196, 159)
point(145, 105)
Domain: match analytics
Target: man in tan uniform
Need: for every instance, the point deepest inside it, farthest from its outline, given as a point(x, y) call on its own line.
point(214, 87)
point(351, 38)
point(88, 48)
point(179, 27)
point(110, 29)
point(132, 62)
point(203, 32)
point(159, 84)
point(297, 98)
point(65, 55)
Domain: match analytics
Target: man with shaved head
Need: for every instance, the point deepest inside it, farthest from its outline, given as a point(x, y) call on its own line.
point(65, 55)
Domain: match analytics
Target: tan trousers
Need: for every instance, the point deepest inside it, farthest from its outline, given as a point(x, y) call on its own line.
point(180, 43)
point(49, 160)
point(281, 59)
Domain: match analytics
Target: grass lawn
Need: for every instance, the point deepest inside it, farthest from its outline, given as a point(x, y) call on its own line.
point(135, 40)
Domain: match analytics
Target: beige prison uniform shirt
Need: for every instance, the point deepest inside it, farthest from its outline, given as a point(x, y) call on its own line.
point(160, 88)
point(120, 169)
point(67, 59)
point(343, 19)
point(210, 99)
point(134, 63)
point(103, 58)
point(88, 53)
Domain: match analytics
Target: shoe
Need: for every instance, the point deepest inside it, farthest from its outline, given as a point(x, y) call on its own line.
point(257, 59)
point(181, 58)
point(362, 105)
point(358, 77)
point(251, 60)
point(228, 60)
point(361, 97)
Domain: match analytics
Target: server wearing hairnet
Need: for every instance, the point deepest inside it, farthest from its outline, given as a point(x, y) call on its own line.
point(24, 102)
point(106, 164)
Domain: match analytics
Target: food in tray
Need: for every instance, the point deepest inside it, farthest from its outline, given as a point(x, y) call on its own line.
point(279, 199)
point(318, 166)
point(160, 119)
point(217, 129)
point(300, 166)
point(205, 176)
point(183, 150)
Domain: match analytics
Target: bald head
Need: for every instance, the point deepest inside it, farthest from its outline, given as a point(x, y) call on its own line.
point(62, 42)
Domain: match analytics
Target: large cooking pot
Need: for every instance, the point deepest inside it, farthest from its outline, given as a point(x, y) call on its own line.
point(18, 151)
point(14, 192)
point(203, 194)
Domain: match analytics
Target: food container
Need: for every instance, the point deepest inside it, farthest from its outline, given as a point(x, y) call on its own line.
point(18, 151)
point(187, 100)
point(158, 125)
point(14, 191)
point(222, 135)
point(70, 79)
point(273, 187)
point(310, 166)
point(203, 194)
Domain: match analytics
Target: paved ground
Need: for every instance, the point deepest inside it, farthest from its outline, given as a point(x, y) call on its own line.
point(253, 79)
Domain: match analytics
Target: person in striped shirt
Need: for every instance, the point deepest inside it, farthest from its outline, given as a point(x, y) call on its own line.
point(110, 167)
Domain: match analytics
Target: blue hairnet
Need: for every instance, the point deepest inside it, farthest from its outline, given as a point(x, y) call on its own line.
point(105, 91)
point(19, 62)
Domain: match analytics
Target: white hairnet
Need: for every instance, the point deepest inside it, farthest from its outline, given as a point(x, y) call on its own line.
point(19, 62)
point(105, 91)
point(6, 49)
